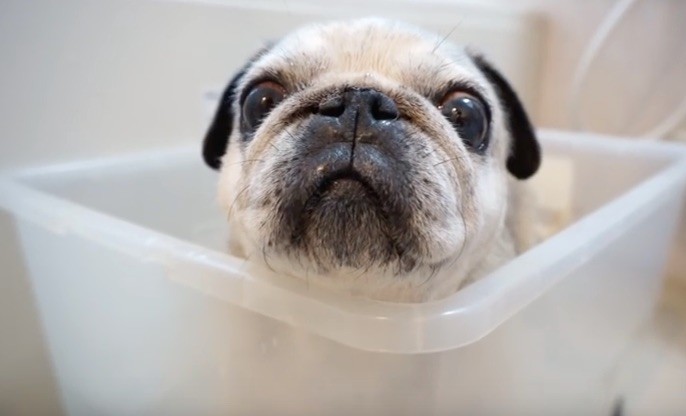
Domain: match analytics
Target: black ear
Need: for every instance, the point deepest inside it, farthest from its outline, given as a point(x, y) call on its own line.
point(525, 154)
point(217, 136)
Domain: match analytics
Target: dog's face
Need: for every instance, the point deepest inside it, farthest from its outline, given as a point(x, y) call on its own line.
point(370, 156)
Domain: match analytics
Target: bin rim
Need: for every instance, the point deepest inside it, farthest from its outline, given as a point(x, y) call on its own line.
point(452, 322)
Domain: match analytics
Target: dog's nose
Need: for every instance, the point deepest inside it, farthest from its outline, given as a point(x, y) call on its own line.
point(355, 117)
point(368, 106)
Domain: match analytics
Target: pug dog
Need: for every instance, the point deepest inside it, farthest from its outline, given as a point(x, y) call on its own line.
point(371, 157)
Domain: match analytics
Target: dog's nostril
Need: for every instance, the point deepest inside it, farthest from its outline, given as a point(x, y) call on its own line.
point(332, 107)
point(383, 108)
point(370, 103)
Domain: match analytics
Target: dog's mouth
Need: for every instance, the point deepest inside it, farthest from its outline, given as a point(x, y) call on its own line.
point(343, 210)
point(346, 184)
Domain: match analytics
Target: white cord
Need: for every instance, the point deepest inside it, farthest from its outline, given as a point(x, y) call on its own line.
point(614, 16)
point(667, 125)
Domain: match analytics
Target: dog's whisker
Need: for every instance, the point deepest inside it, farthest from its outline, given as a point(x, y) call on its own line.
point(433, 151)
point(307, 278)
point(452, 159)
point(426, 280)
point(243, 162)
point(247, 259)
point(444, 39)
point(265, 257)
point(464, 228)
point(445, 65)
point(275, 146)
point(235, 200)
point(289, 134)
point(359, 276)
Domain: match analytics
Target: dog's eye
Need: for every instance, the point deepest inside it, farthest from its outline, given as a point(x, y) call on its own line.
point(260, 101)
point(467, 114)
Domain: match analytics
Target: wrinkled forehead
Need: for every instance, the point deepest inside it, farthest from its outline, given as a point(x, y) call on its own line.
point(424, 62)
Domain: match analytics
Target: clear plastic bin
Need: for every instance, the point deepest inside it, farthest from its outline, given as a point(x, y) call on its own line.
point(145, 315)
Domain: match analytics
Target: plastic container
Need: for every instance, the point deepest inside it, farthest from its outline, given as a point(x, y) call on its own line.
point(144, 314)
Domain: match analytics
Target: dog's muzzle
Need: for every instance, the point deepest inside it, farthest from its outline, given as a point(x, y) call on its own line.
point(351, 171)
point(350, 145)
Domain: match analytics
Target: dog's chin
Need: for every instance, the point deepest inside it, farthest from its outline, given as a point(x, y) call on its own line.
point(343, 211)
point(345, 224)
point(345, 235)
point(343, 187)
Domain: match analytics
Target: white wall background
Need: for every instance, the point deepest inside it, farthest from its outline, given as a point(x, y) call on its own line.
point(63, 96)
point(639, 74)
point(82, 78)
point(90, 77)
point(61, 102)
point(637, 78)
